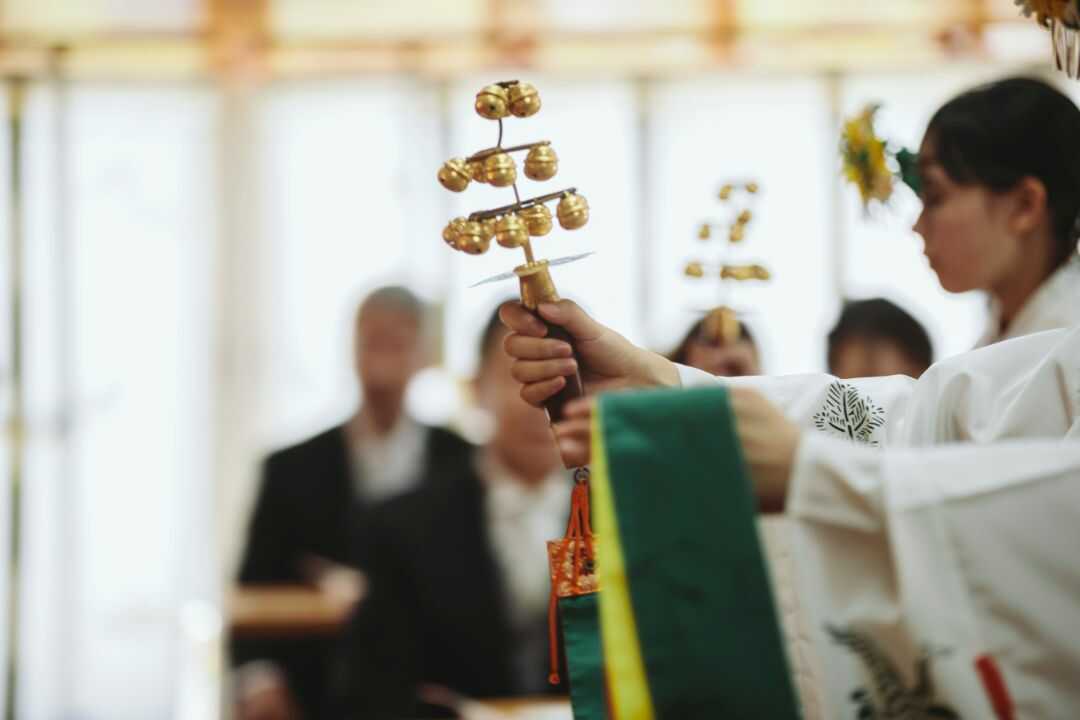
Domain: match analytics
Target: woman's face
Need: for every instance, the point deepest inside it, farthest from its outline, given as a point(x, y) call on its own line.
point(724, 360)
point(964, 229)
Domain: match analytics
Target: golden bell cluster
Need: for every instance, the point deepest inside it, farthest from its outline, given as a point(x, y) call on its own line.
point(511, 226)
point(495, 102)
point(498, 169)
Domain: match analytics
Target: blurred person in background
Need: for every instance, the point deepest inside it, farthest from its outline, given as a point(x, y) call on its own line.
point(317, 499)
point(716, 357)
point(458, 598)
point(877, 338)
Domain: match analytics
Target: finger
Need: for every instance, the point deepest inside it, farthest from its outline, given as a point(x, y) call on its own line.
point(574, 452)
point(520, 320)
point(522, 347)
point(532, 371)
point(579, 408)
point(536, 393)
point(567, 314)
point(573, 430)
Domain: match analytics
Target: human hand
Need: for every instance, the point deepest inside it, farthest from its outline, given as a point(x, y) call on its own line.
point(607, 360)
point(268, 698)
point(769, 442)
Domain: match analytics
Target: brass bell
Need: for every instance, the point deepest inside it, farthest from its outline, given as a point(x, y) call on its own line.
point(573, 211)
point(725, 192)
point(744, 217)
point(704, 232)
point(737, 233)
point(454, 175)
point(475, 169)
point(511, 231)
point(537, 219)
point(500, 170)
point(451, 232)
point(541, 163)
point(751, 187)
point(492, 102)
point(472, 239)
point(488, 227)
point(694, 270)
point(760, 272)
point(524, 100)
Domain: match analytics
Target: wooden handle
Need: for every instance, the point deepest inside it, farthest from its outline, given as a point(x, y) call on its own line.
point(574, 388)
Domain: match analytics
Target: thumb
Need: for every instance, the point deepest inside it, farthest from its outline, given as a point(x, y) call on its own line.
point(568, 315)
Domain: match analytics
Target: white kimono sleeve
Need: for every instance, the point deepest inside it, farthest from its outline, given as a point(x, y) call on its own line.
point(942, 580)
point(1027, 387)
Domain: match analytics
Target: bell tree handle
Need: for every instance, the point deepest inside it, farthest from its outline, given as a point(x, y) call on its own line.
point(574, 388)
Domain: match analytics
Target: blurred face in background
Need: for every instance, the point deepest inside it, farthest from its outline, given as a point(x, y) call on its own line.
point(872, 357)
point(521, 439)
point(726, 360)
point(388, 350)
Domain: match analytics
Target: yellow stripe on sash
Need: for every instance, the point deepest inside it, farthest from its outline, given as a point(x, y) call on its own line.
point(628, 689)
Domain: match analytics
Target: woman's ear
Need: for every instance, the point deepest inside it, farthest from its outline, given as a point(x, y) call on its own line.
point(1030, 208)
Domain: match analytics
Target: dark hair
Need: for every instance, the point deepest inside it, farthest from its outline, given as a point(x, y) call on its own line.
point(679, 354)
point(999, 133)
point(879, 319)
point(394, 298)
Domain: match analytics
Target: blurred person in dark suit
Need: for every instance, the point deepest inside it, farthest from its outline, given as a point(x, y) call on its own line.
point(877, 338)
point(317, 499)
point(459, 581)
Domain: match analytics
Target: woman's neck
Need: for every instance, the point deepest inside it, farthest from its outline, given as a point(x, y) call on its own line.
point(1015, 289)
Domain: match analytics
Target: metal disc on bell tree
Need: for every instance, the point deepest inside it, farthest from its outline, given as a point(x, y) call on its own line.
point(472, 238)
point(721, 325)
point(454, 175)
point(500, 170)
point(737, 234)
point(537, 219)
point(511, 231)
point(751, 187)
point(524, 100)
point(694, 270)
point(744, 217)
point(725, 192)
point(704, 232)
point(492, 102)
point(573, 211)
point(541, 163)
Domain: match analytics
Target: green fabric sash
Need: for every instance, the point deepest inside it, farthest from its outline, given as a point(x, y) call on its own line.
point(688, 621)
point(580, 620)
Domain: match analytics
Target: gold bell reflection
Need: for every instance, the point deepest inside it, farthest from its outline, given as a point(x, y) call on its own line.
point(721, 325)
point(454, 175)
point(573, 211)
point(541, 163)
point(511, 231)
point(472, 238)
point(524, 100)
point(493, 102)
point(537, 219)
point(744, 272)
point(500, 170)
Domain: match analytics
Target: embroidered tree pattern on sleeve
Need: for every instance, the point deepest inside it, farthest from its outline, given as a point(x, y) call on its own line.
point(848, 414)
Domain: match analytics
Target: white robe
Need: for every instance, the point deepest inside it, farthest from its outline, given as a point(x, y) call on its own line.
point(919, 571)
point(1028, 387)
point(1055, 304)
